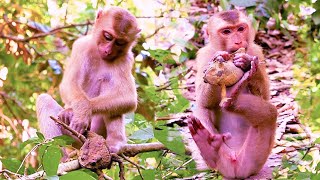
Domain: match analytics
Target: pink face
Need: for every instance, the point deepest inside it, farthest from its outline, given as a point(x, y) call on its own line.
point(111, 47)
point(234, 37)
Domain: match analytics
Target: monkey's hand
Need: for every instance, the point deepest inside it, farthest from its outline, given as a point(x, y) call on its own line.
point(80, 124)
point(66, 115)
point(220, 56)
point(81, 120)
point(208, 144)
point(243, 61)
point(241, 84)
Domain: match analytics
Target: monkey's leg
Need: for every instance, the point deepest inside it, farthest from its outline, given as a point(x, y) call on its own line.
point(209, 144)
point(116, 136)
point(261, 115)
point(236, 89)
point(97, 125)
point(46, 106)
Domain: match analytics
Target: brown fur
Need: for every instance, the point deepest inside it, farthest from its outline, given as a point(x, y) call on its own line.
point(248, 118)
point(230, 16)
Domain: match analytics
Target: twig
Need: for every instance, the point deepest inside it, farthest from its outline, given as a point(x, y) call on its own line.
point(62, 169)
point(40, 35)
point(107, 177)
point(9, 172)
point(33, 149)
point(10, 122)
point(75, 133)
point(36, 175)
point(119, 3)
point(8, 106)
point(136, 165)
point(184, 164)
point(134, 149)
point(14, 100)
point(116, 158)
point(155, 32)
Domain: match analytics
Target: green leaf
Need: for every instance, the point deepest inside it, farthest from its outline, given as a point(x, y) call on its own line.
point(51, 159)
point(308, 157)
point(315, 176)
point(13, 165)
point(34, 140)
point(318, 167)
point(171, 138)
point(146, 174)
point(40, 136)
point(184, 56)
point(63, 140)
point(317, 141)
point(143, 134)
point(142, 78)
point(162, 56)
point(78, 175)
point(303, 175)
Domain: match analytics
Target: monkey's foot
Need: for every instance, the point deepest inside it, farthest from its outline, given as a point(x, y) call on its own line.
point(208, 144)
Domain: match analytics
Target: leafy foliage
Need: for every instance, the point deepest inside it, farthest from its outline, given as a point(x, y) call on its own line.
point(36, 38)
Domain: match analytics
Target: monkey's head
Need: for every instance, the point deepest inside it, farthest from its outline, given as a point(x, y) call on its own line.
point(230, 30)
point(115, 30)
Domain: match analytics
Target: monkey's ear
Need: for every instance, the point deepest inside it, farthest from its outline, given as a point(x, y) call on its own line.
point(138, 30)
point(206, 30)
point(99, 13)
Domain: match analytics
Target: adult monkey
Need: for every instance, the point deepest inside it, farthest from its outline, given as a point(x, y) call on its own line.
point(97, 87)
point(235, 137)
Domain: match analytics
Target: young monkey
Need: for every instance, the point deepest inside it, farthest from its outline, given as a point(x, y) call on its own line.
point(97, 87)
point(235, 137)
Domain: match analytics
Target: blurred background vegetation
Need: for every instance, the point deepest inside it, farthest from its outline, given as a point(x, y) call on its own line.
point(36, 38)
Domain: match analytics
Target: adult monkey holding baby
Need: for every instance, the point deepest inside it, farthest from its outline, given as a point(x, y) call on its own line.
point(234, 136)
point(97, 87)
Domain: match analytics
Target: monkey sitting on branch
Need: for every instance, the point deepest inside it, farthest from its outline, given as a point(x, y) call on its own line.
point(97, 86)
point(234, 135)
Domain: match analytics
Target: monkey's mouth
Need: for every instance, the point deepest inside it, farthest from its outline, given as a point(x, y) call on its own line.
point(234, 50)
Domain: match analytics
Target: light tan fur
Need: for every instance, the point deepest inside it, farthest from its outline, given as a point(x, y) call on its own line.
point(98, 87)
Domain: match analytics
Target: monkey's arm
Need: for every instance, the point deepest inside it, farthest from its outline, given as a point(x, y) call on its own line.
point(70, 90)
point(207, 95)
point(121, 99)
point(259, 83)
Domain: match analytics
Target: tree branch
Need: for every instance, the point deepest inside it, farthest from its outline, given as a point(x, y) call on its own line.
point(75, 133)
point(40, 35)
point(134, 149)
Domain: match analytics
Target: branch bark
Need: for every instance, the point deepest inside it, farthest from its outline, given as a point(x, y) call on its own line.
point(134, 149)
point(41, 35)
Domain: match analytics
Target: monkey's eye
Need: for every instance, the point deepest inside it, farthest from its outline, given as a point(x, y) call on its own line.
point(107, 36)
point(121, 42)
point(226, 31)
point(241, 29)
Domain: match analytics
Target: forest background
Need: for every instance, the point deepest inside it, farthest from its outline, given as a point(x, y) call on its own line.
point(36, 38)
